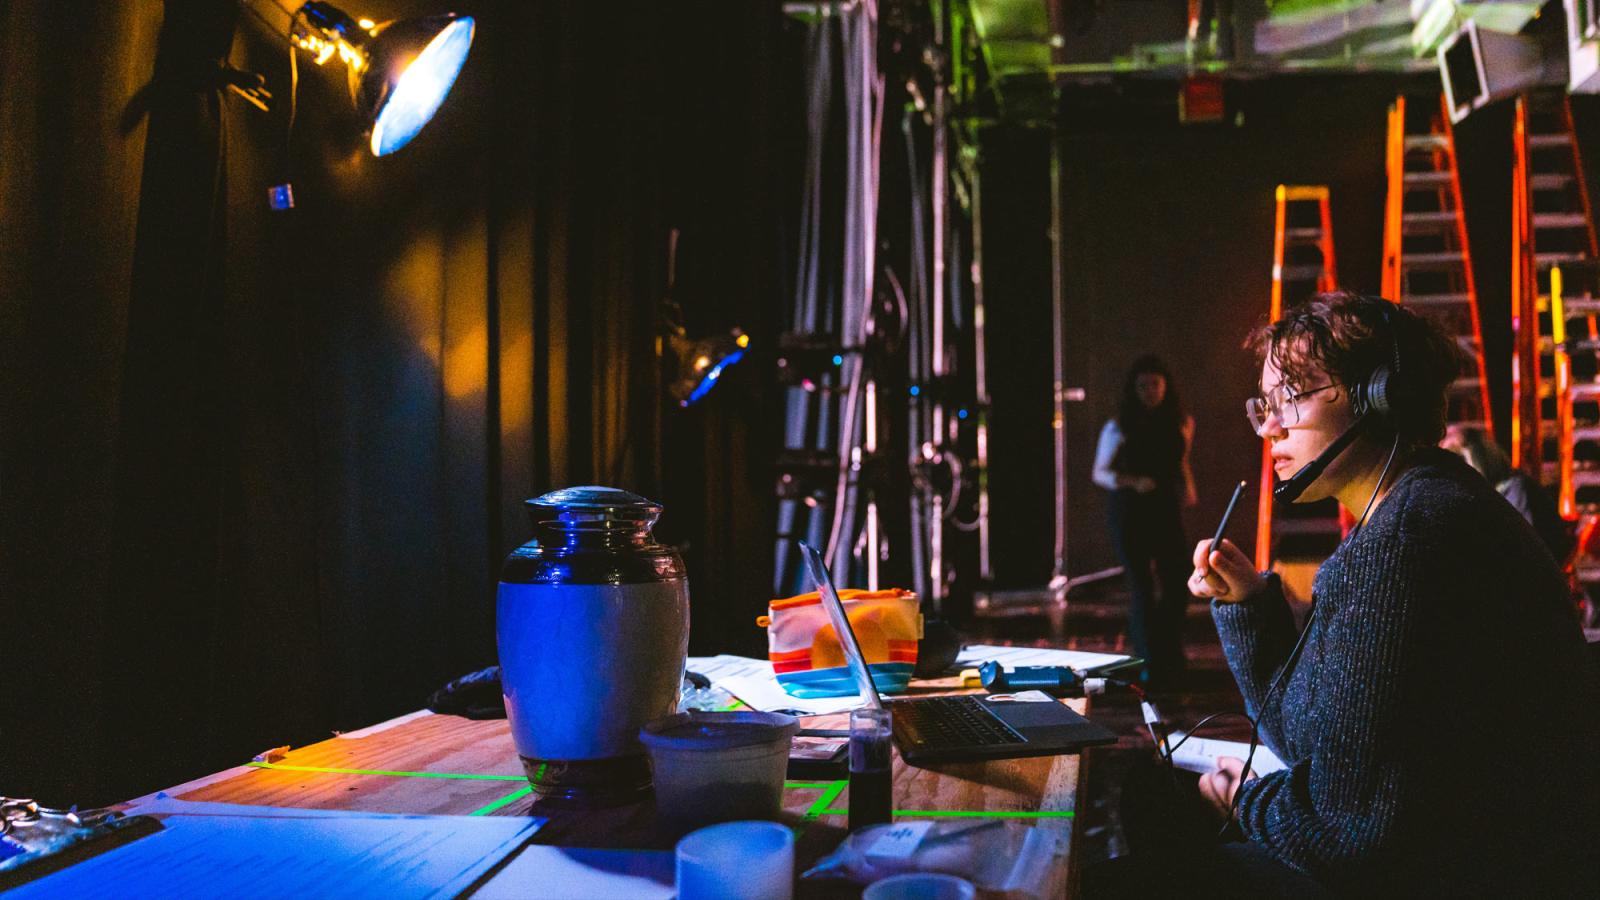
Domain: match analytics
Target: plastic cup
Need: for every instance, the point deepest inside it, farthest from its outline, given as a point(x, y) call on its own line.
point(743, 860)
point(921, 886)
point(718, 766)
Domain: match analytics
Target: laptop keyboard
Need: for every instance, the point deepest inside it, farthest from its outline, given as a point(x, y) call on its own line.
point(953, 722)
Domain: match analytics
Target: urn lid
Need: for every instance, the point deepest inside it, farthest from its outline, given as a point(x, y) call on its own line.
point(591, 506)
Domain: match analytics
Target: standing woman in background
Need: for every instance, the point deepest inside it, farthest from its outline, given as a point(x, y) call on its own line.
point(1143, 460)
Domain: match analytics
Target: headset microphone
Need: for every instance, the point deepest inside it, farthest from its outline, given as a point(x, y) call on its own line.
point(1290, 490)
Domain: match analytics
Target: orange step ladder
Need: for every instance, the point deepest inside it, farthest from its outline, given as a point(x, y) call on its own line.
point(1302, 264)
point(1553, 227)
point(1427, 264)
point(1555, 286)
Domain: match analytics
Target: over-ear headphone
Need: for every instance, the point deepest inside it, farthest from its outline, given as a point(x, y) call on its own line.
point(1375, 394)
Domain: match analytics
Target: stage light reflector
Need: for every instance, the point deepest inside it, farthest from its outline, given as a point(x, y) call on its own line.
point(413, 84)
point(399, 72)
point(700, 363)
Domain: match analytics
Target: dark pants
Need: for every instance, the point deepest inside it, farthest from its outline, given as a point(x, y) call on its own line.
point(1175, 849)
point(1148, 531)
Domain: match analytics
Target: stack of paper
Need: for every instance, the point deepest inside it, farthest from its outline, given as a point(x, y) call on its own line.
point(1200, 754)
point(1012, 657)
point(236, 851)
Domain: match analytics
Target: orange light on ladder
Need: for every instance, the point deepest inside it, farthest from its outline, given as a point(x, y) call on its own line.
point(1525, 444)
point(1558, 333)
point(1394, 205)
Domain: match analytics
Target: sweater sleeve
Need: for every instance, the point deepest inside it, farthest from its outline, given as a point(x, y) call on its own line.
point(1334, 811)
point(1105, 452)
point(1257, 634)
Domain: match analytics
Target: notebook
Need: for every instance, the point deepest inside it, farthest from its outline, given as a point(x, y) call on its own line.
point(960, 728)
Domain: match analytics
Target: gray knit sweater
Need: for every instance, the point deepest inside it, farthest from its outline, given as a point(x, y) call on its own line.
point(1442, 723)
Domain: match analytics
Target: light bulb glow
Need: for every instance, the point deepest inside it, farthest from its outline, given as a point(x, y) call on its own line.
point(709, 381)
point(422, 88)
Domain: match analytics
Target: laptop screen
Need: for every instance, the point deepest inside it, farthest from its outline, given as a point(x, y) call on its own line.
point(841, 626)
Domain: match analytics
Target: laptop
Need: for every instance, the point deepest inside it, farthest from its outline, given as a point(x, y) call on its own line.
point(965, 727)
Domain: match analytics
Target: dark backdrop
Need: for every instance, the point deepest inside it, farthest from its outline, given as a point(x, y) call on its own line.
point(259, 468)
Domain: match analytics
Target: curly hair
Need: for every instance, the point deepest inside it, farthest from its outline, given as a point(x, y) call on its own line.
point(1343, 335)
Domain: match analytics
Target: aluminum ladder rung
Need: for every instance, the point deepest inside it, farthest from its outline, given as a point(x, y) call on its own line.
point(1579, 306)
point(1427, 221)
point(1310, 235)
point(1549, 141)
point(1463, 385)
point(1431, 260)
point(1421, 180)
point(1546, 260)
point(1435, 299)
point(1549, 182)
point(1560, 220)
point(1586, 433)
point(1415, 142)
point(1584, 390)
point(1301, 273)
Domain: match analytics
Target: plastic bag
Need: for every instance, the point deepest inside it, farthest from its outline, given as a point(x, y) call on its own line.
point(1000, 858)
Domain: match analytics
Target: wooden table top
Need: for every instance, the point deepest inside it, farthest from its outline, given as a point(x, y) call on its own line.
point(425, 763)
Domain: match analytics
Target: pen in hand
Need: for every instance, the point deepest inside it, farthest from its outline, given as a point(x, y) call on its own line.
point(1226, 515)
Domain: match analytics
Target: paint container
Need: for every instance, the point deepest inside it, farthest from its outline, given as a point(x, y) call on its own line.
point(744, 860)
point(921, 886)
point(714, 767)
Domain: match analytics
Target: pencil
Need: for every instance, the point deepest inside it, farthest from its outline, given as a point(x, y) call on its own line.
point(1226, 515)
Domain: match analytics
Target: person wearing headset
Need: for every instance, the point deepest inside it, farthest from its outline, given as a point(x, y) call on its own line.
point(1439, 714)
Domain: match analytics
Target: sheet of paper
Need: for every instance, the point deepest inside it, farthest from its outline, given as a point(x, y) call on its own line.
point(1012, 657)
point(204, 851)
point(163, 804)
point(1200, 754)
point(571, 874)
point(725, 666)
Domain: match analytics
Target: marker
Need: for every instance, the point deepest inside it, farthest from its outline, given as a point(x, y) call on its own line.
point(1226, 515)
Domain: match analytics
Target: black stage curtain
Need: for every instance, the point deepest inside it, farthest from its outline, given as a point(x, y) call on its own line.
point(259, 468)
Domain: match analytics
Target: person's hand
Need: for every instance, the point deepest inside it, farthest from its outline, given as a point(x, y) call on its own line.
point(1219, 785)
point(1225, 573)
point(1142, 484)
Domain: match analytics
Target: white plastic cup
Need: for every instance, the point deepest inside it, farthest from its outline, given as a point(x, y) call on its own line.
point(738, 861)
point(714, 767)
point(921, 886)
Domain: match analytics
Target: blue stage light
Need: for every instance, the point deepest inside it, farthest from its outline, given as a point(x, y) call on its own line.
point(421, 88)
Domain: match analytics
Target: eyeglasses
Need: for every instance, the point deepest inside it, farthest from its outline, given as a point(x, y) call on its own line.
point(1286, 408)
